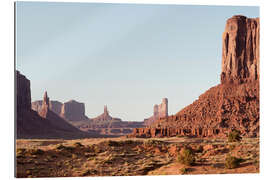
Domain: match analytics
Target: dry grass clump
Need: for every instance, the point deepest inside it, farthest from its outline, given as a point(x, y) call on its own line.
point(232, 162)
point(186, 157)
point(234, 136)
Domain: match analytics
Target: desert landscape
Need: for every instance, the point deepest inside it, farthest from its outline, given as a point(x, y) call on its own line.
point(219, 133)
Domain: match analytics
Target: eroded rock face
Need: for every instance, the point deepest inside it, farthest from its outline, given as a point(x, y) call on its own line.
point(73, 111)
point(23, 92)
point(233, 104)
point(160, 111)
point(55, 106)
point(240, 51)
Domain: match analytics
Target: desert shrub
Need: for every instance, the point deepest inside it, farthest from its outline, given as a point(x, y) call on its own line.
point(78, 144)
point(20, 152)
point(113, 143)
point(36, 151)
point(231, 147)
point(183, 170)
point(234, 136)
point(60, 146)
point(232, 162)
point(186, 157)
point(152, 142)
point(199, 149)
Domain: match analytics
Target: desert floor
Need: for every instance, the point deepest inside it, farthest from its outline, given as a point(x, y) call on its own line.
point(131, 156)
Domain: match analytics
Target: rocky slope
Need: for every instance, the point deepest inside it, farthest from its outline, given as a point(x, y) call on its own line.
point(233, 104)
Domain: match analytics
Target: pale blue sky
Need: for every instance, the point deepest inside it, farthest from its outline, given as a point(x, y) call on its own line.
point(125, 56)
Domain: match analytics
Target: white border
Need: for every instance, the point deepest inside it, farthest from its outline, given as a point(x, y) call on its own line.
point(7, 86)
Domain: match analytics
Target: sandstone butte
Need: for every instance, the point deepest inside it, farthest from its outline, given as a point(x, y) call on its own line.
point(232, 104)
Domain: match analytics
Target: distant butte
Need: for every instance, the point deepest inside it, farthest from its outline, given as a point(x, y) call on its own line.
point(160, 111)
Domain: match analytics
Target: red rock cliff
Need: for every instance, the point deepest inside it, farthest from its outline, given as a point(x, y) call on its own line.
point(240, 51)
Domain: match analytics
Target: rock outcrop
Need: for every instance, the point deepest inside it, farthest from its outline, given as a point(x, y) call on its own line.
point(54, 106)
point(73, 111)
point(233, 104)
point(240, 51)
point(70, 111)
point(160, 111)
point(46, 124)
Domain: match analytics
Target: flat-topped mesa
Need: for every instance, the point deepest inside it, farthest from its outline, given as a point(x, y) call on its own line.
point(73, 111)
point(240, 50)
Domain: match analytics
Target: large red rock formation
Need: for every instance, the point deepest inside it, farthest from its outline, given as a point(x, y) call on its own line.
point(160, 111)
point(233, 104)
point(240, 51)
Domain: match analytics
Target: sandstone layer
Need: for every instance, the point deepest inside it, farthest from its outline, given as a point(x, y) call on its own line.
point(233, 104)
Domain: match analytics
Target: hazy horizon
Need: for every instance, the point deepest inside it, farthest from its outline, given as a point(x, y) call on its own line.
point(125, 56)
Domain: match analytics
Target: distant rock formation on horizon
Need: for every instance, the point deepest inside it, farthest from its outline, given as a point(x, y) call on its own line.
point(106, 124)
point(160, 111)
point(233, 104)
point(45, 124)
point(70, 111)
point(54, 106)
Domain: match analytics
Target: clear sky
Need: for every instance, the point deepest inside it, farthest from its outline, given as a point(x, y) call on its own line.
point(125, 56)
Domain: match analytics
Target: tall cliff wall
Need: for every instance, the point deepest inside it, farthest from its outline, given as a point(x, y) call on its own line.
point(23, 93)
point(240, 50)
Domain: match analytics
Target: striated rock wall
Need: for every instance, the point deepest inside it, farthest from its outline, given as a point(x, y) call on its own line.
point(160, 111)
point(240, 50)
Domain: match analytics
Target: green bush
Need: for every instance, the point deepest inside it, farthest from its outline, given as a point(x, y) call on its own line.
point(78, 144)
point(186, 157)
point(232, 162)
point(183, 170)
point(234, 136)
